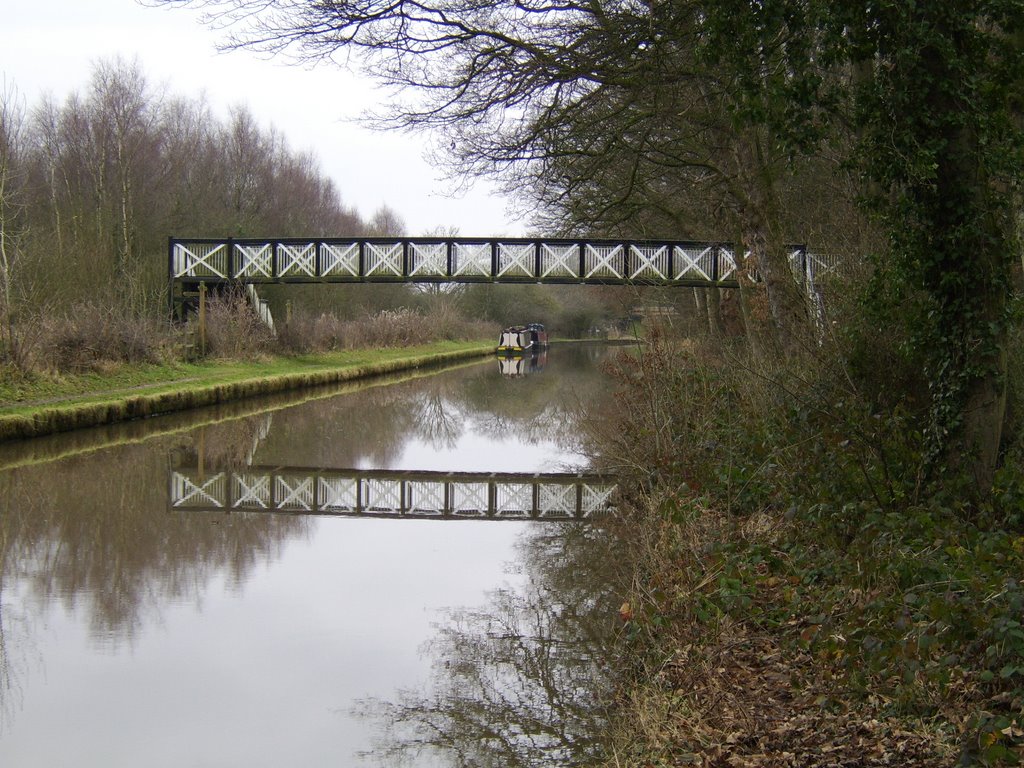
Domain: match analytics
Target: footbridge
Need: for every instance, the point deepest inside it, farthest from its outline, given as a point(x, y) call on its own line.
point(192, 261)
point(432, 260)
point(393, 493)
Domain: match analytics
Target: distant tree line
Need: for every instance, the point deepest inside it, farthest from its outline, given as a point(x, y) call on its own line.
point(91, 187)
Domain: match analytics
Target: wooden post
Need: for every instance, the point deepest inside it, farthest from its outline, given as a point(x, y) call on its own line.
point(202, 454)
point(202, 320)
point(170, 278)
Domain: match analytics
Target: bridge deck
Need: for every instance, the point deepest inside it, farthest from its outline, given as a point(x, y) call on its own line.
point(386, 493)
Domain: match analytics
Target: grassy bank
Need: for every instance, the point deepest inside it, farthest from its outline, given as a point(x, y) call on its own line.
point(800, 597)
point(42, 405)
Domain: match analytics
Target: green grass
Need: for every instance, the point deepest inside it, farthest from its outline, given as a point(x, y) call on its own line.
point(43, 405)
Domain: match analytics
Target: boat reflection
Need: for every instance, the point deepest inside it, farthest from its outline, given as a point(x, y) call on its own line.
point(518, 366)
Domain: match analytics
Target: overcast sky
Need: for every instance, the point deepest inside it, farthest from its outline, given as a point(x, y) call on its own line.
point(49, 46)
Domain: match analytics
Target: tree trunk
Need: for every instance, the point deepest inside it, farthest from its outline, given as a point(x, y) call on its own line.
point(966, 272)
point(979, 325)
point(984, 417)
point(760, 222)
point(700, 302)
point(751, 329)
point(713, 303)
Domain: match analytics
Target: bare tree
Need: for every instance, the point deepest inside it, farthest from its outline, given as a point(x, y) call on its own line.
point(127, 117)
point(386, 223)
point(105, 175)
point(12, 121)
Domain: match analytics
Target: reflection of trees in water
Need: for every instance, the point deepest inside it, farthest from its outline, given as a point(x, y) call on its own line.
point(95, 534)
point(371, 427)
point(229, 445)
point(522, 681)
point(542, 407)
point(438, 422)
point(368, 426)
point(14, 646)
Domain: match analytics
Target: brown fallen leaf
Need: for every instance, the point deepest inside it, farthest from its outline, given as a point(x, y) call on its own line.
point(626, 612)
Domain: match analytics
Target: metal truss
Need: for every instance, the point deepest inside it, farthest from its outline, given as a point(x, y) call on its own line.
point(438, 260)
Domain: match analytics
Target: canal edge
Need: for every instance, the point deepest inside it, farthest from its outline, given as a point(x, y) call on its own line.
point(55, 419)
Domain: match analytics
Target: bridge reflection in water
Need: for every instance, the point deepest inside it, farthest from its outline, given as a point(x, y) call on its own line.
point(394, 493)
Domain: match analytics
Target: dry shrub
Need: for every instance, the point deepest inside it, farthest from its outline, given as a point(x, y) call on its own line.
point(22, 346)
point(666, 413)
point(402, 327)
point(90, 337)
point(233, 329)
point(308, 333)
point(388, 328)
point(446, 322)
point(328, 332)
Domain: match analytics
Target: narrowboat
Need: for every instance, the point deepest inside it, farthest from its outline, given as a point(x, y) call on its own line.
point(522, 338)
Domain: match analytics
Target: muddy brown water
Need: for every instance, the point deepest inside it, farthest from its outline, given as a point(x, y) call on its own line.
point(134, 632)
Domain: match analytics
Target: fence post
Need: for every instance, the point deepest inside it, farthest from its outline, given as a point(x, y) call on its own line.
point(805, 277)
point(202, 320)
point(170, 275)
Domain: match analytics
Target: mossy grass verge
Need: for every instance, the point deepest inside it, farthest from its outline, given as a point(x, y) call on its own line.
point(42, 405)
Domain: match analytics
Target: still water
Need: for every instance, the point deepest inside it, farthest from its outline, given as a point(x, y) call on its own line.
point(142, 625)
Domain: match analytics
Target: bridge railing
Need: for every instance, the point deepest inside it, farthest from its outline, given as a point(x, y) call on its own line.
point(382, 493)
point(651, 262)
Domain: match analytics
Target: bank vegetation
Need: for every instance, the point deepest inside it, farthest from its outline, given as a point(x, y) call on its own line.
point(803, 593)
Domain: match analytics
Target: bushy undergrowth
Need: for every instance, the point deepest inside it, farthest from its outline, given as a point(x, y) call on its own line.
point(790, 502)
point(233, 330)
point(91, 338)
point(387, 328)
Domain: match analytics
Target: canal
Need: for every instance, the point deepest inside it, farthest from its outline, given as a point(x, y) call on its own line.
point(146, 618)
